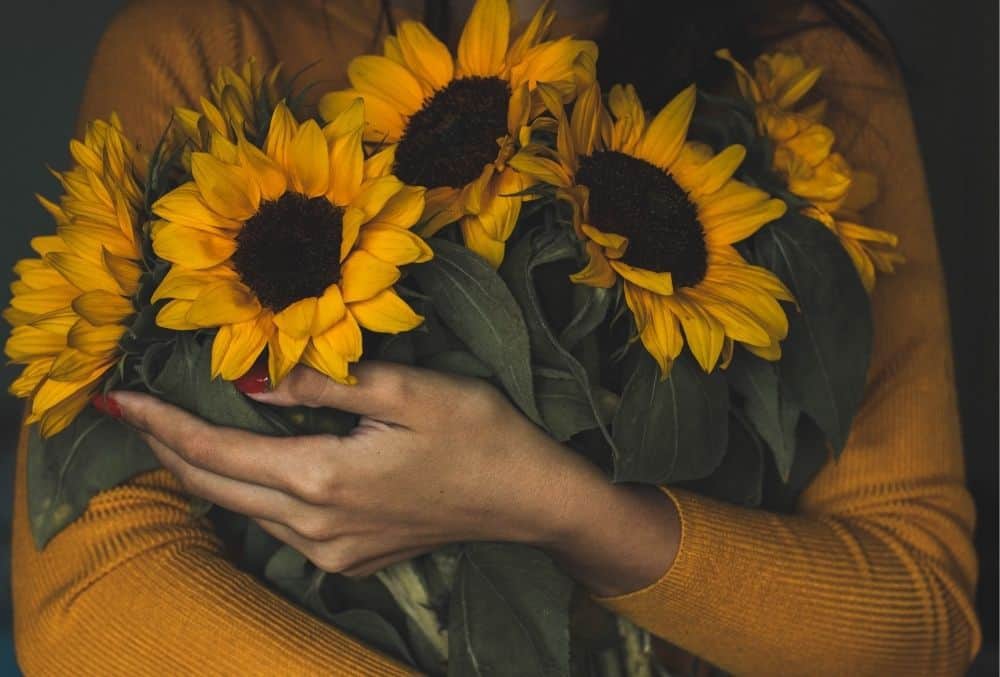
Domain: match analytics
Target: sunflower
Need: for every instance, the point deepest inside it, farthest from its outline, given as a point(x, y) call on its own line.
point(804, 157)
point(71, 305)
point(662, 214)
point(453, 125)
point(294, 247)
point(236, 106)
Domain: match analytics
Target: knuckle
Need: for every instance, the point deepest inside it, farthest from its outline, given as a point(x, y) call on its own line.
point(334, 559)
point(316, 487)
point(316, 528)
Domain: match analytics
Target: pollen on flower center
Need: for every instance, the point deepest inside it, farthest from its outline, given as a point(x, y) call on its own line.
point(290, 249)
point(451, 139)
point(634, 198)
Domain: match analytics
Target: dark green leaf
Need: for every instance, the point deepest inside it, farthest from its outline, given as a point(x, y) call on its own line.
point(472, 301)
point(92, 454)
point(539, 248)
point(460, 362)
point(772, 414)
point(825, 357)
point(592, 304)
point(565, 409)
point(673, 429)
point(291, 573)
point(739, 478)
point(812, 452)
point(509, 614)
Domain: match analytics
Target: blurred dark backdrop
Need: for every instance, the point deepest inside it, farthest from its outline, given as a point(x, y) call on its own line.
point(949, 54)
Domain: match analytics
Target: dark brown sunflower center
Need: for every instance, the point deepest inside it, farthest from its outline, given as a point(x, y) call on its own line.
point(290, 249)
point(451, 139)
point(634, 198)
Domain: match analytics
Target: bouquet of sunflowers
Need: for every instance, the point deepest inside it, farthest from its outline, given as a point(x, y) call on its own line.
point(679, 297)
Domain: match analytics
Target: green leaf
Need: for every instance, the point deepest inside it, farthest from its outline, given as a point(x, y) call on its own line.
point(565, 409)
point(509, 614)
point(812, 452)
point(471, 300)
point(825, 357)
point(539, 248)
point(739, 478)
point(772, 414)
point(592, 305)
point(93, 454)
point(460, 362)
point(186, 381)
point(673, 429)
point(290, 572)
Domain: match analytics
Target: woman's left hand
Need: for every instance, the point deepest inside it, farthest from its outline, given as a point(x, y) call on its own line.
point(435, 459)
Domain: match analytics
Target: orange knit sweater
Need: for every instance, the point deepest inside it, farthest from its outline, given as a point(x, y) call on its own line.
point(874, 574)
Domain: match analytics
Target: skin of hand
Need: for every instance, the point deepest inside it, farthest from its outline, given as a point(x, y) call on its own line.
point(435, 459)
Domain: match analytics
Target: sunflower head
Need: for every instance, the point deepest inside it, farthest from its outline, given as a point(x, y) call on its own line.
point(73, 303)
point(660, 214)
point(453, 124)
point(237, 105)
point(805, 159)
point(294, 247)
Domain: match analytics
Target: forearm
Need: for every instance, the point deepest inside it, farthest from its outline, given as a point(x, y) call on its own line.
point(136, 587)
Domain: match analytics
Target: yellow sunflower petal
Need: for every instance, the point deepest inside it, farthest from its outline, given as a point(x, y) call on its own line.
point(309, 160)
point(191, 247)
point(227, 189)
point(297, 319)
point(46, 300)
point(28, 343)
point(705, 335)
point(344, 338)
point(659, 283)
point(586, 119)
point(236, 347)
point(125, 271)
point(24, 385)
point(403, 209)
point(737, 227)
point(612, 241)
point(225, 302)
point(383, 122)
point(363, 276)
point(283, 353)
point(597, 272)
point(330, 310)
point(478, 240)
point(173, 315)
point(96, 340)
point(482, 49)
point(426, 56)
point(710, 176)
point(62, 413)
point(184, 205)
point(394, 245)
point(102, 307)
point(443, 206)
point(347, 168)
point(375, 194)
point(81, 273)
point(770, 352)
point(74, 365)
point(321, 357)
point(381, 163)
point(386, 313)
point(280, 135)
point(182, 283)
point(268, 175)
point(387, 80)
point(543, 169)
point(533, 33)
point(665, 135)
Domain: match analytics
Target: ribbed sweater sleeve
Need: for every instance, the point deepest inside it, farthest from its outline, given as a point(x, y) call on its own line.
point(875, 573)
point(136, 586)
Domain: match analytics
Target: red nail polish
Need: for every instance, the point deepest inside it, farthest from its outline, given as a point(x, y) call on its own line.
point(257, 380)
point(107, 405)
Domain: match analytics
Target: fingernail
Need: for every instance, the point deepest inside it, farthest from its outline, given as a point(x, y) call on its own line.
point(255, 381)
point(107, 405)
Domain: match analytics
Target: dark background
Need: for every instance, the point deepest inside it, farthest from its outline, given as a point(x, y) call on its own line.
point(949, 52)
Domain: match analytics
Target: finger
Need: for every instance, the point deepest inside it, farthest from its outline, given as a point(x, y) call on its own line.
point(388, 392)
point(241, 497)
point(333, 557)
point(241, 455)
point(372, 566)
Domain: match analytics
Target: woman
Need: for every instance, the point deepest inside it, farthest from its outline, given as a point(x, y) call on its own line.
point(873, 574)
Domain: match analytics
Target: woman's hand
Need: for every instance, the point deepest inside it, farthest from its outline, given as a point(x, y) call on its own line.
point(435, 459)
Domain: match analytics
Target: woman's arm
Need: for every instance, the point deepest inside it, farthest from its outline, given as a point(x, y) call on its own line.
point(875, 573)
point(136, 586)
